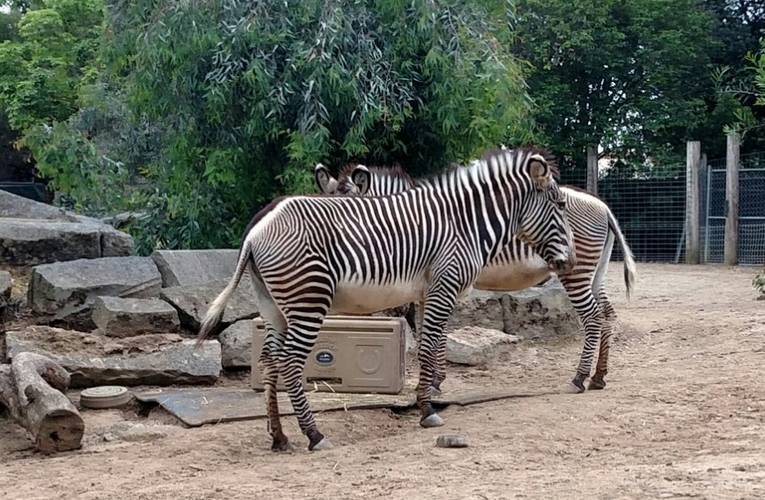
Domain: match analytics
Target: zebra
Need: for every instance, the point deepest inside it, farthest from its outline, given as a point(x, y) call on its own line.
point(518, 266)
point(309, 255)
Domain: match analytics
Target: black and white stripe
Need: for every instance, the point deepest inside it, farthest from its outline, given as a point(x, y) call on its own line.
point(518, 266)
point(356, 255)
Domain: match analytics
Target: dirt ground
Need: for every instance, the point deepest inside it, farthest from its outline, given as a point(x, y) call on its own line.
point(683, 416)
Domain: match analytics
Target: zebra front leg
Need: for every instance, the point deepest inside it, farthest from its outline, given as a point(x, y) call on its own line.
point(438, 306)
point(440, 374)
point(601, 369)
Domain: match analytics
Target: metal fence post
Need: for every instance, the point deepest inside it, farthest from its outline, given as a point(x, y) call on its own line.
point(731, 199)
point(592, 169)
point(692, 165)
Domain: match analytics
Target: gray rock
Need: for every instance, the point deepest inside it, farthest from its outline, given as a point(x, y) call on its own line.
point(34, 241)
point(126, 317)
point(15, 206)
point(68, 289)
point(540, 311)
point(97, 360)
point(451, 441)
point(236, 344)
point(192, 302)
point(475, 345)
point(194, 267)
point(6, 283)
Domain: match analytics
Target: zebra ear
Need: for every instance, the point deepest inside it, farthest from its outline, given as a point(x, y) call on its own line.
point(362, 178)
point(540, 172)
point(324, 180)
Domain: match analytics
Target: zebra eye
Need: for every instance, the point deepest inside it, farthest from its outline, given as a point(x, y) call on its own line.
point(561, 204)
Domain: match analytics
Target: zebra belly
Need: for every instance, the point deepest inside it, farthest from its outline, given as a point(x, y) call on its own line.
point(354, 298)
point(516, 275)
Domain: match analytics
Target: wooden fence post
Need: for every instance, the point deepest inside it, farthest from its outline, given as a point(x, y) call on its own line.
point(592, 169)
point(731, 199)
point(692, 166)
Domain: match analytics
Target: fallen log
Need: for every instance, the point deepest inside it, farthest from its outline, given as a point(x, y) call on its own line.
point(31, 388)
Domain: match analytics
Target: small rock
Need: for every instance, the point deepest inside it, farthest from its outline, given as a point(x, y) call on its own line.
point(451, 441)
point(6, 283)
point(126, 317)
point(236, 344)
point(475, 345)
point(135, 432)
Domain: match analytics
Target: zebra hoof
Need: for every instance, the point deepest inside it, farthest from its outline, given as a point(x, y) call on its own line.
point(279, 446)
point(575, 387)
point(435, 390)
point(324, 444)
point(432, 420)
point(596, 384)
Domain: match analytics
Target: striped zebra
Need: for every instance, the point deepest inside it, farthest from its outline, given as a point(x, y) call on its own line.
point(309, 255)
point(594, 229)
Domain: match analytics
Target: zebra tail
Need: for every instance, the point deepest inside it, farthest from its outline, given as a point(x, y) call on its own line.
point(630, 270)
point(215, 312)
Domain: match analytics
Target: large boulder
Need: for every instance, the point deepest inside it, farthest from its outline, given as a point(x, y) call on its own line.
point(126, 317)
point(194, 267)
point(69, 289)
point(18, 207)
point(538, 311)
point(475, 345)
point(29, 241)
point(192, 302)
point(93, 360)
point(34, 233)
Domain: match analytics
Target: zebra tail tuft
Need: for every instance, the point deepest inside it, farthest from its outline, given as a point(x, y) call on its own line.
point(215, 312)
point(630, 269)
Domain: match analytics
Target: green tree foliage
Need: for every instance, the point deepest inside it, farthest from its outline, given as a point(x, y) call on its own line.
point(245, 97)
point(629, 76)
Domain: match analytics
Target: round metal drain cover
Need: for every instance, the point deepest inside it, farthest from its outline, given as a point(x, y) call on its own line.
point(105, 396)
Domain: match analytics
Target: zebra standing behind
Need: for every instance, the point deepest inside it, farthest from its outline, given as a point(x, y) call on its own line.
point(357, 255)
point(518, 266)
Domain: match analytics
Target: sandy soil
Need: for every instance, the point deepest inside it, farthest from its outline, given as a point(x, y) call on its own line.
point(683, 416)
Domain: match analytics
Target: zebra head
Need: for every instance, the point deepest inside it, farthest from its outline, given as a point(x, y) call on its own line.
point(358, 180)
point(543, 222)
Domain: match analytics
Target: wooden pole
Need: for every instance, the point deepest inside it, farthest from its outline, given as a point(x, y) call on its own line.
point(731, 199)
point(592, 169)
point(692, 166)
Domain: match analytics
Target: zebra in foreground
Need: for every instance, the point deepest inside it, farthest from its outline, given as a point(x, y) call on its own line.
point(356, 255)
point(518, 266)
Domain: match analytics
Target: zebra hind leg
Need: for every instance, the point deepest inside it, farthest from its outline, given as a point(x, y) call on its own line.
point(590, 315)
point(270, 368)
point(298, 344)
point(601, 368)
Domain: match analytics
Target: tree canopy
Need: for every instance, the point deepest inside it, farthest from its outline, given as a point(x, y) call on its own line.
point(196, 113)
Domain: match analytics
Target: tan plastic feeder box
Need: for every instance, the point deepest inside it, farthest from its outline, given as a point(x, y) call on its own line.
point(363, 354)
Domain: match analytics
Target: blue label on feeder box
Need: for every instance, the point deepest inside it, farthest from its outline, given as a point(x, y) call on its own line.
point(324, 357)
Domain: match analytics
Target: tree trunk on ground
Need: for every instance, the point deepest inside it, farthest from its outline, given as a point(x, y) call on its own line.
point(31, 389)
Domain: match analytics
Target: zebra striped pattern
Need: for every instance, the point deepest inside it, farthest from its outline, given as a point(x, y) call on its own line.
point(518, 266)
point(357, 255)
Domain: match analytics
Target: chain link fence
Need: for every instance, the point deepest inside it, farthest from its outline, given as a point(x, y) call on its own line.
point(751, 222)
point(650, 208)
